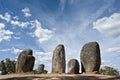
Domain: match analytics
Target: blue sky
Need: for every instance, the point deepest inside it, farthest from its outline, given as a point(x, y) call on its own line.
point(43, 24)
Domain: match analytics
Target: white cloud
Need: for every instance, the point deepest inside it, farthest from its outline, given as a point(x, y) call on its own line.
point(20, 24)
point(4, 50)
point(12, 50)
point(2, 26)
point(16, 17)
point(26, 12)
point(16, 37)
point(107, 63)
point(43, 57)
point(6, 17)
point(41, 34)
point(114, 49)
point(4, 34)
point(15, 50)
point(108, 26)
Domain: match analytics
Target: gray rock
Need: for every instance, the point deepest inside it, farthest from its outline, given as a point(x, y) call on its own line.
point(58, 59)
point(40, 69)
point(25, 61)
point(90, 57)
point(73, 66)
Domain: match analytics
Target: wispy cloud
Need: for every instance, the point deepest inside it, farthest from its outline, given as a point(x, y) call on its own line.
point(20, 24)
point(113, 50)
point(16, 17)
point(62, 4)
point(70, 29)
point(43, 57)
point(5, 50)
point(14, 20)
point(4, 34)
point(6, 17)
point(108, 63)
point(26, 12)
point(15, 50)
point(16, 37)
point(12, 50)
point(108, 26)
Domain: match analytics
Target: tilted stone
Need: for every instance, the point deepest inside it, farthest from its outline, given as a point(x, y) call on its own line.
point(25, 61)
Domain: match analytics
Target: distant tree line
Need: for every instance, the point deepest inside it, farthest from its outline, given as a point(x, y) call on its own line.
point(107, 70)
point(7, 66)
point(36, 72)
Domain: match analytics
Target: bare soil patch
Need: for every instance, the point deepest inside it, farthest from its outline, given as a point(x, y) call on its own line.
point(58, 77)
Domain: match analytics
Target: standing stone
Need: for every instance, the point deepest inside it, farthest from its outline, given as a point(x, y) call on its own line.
point(90, 57)
point(58, 59)
point(40, 69)
point(25, 61)
point(73, 66)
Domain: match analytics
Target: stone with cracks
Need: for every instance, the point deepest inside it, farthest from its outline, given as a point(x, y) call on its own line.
point(25, 61)
point(90, 58)
point(73, 66)
point(58, 59)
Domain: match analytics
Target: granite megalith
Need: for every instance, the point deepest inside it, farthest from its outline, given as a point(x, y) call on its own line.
point(58, 59)
point(25, 61)
point(90, 58)
point(73, 66)
point(40, 69)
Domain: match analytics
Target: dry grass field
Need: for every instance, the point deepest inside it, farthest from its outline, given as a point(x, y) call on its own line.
point(58, 77)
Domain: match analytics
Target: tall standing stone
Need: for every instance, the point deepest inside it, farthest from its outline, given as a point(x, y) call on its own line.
point(40, 69)
point(73, 66)
point(90, 57)
point(58, 59)
point(25, 61)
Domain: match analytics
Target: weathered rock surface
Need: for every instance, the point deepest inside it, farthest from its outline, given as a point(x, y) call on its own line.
point(90, 57)
point(25, 61)
point(73, 66)
point(40, 69)
point(58, 59)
